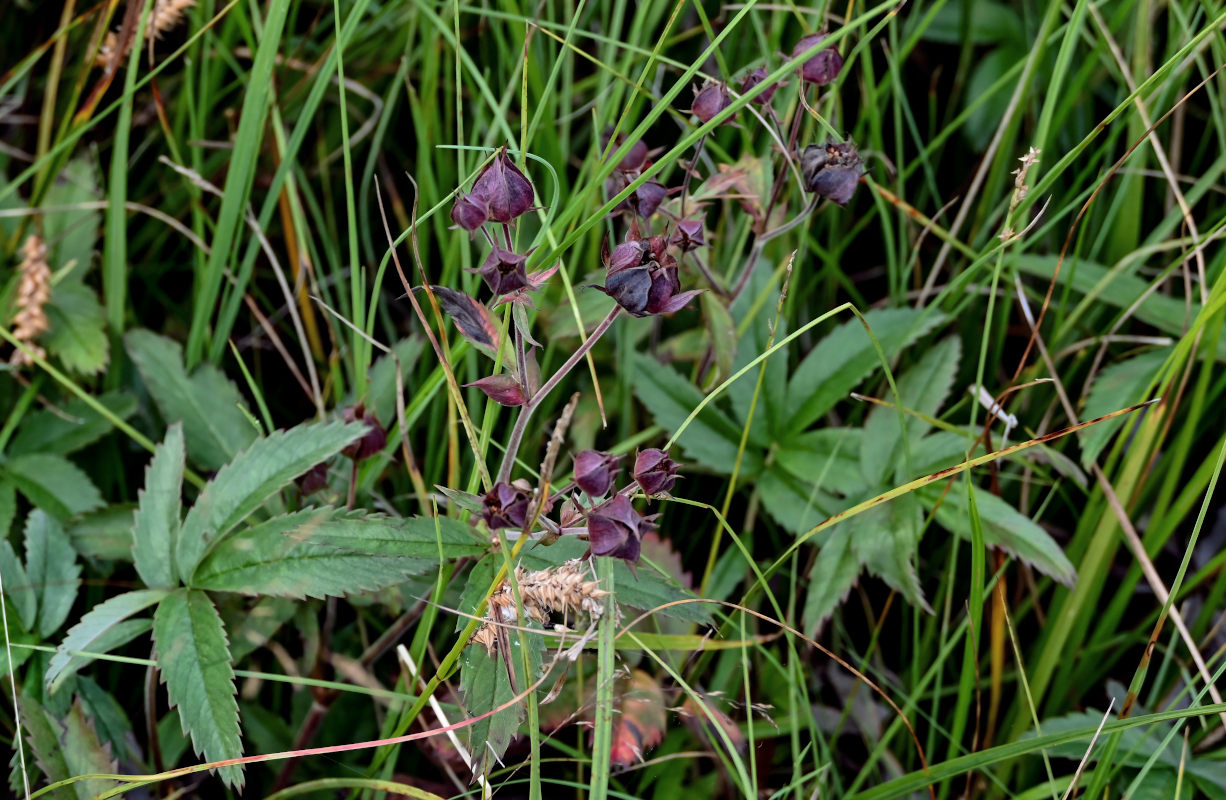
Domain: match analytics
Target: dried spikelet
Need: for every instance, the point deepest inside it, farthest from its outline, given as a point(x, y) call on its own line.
point(166, 14)
point(33, 292)
point(562, 590)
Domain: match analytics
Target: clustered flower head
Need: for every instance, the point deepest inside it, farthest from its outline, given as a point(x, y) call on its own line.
point(33, 292)
point(506, 506)
point(641, 275)
point(595, 472)
point(616, 529)
point(655, 472)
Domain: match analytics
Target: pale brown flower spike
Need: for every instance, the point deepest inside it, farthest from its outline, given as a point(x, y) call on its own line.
point(166, 14)
point(33, 292)
point(562, 590)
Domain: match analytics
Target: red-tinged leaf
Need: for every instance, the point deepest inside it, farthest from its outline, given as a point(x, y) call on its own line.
point(502, 389)
point(471, 318)
point(678, 301)
point(640, 723)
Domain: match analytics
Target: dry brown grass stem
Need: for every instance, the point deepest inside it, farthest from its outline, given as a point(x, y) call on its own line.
point(33, 292)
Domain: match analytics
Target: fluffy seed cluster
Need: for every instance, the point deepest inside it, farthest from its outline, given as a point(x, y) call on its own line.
point(564, 590)
point(33, 292)
point(166, 14)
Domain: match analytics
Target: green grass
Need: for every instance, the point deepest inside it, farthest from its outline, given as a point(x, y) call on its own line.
point(268, 134)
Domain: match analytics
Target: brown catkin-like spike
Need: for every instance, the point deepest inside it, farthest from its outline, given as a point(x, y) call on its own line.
point(562, 590)
point(33, 292)
point(166, 14)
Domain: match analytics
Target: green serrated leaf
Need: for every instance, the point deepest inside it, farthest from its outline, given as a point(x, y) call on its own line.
point(722, 332)
point(155, 527)
point(214, 423)
point(253, 628)
point(835, 571)
point(891, 437)
point(284, 557)
point(8, 506)
point(110, 720)
point(85, 755)
point(381, 393)
point(51, 565)
point(71, 427)
point(1003, 527)
point(485, 684)
point(793, 503)
point(104, 534)
point(19, 654)
point(72, 233)
point(256, 474)
point(1117, 386)
point(19, 590)
point(53, 483)
point(711, 438)
point(846, 357)
point(195, 662)
point(828, 458)
point(44, 735)
point(107, 641)
point(94, 630)
point(77, 328)
point(884, 539)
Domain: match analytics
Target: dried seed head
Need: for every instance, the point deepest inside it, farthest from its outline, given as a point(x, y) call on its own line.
point(564, 590)
point(822, 68)
point(654, 472)
point(33, 293)
point(832, 170)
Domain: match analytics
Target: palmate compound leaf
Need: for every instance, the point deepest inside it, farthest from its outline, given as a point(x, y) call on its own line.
point(194, 659)
point(243, 485)
point(96, 632)
point(884, 539)
point(213, 415)
point(329, 553)
point(155, 528)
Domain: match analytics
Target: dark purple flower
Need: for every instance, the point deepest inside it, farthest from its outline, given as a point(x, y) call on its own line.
point(314, 479)
point(615, 529)
point(753, 79)
point(370, 444)
point(832, 170)
point(505, 506)
point(469, 212)
point(595, 471)
point(654, 472)
point(502, 389)
point(625, 255)
point(689, 235)
point(642, 277)
point(504, 272)
point(647, 198)
point(506, 191)
point(822, 68)
point(711, 99)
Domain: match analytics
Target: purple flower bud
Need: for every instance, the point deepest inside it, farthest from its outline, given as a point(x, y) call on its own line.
point(314, 479)
point(634, 160)
point(753, 79)
point(625, 255)
point(629, 288)
point(822, 68)
point(654, 472)
point(502, 389)
point(505, 506)
point(594, 472)
point(689, 235)
point(504, 272)
point(832, 170)
point(375, 439)
point(647, 198)
point(711, 99)
point(506, 191)
point(469, 212)
point(615, 529)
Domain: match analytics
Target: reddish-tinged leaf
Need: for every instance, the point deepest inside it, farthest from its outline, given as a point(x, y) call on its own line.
point(711, 724)
point(640, 725)
point(471, 318)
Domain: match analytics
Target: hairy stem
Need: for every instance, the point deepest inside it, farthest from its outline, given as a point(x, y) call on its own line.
point(525, 411)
